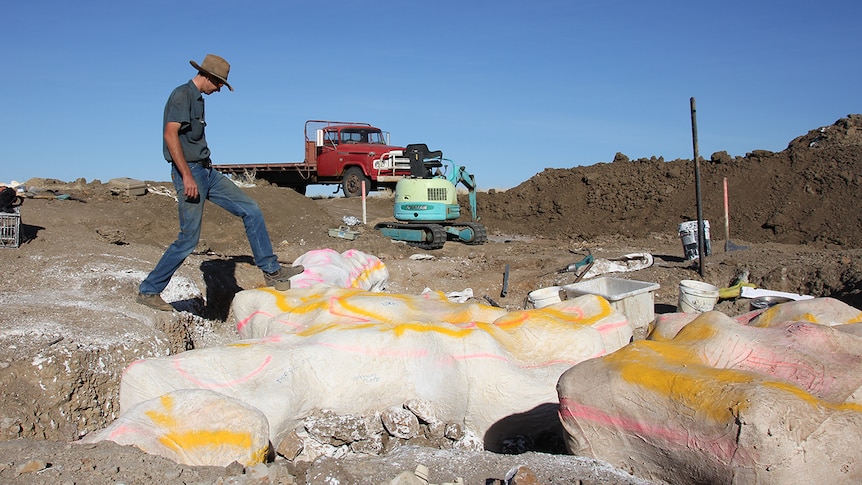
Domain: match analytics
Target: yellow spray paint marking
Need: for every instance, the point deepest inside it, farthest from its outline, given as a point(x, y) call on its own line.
point(775, 315)
point(511, 320)
point(605, 309)
point(674, 369)
point(164, 419)
point(344, 303)
point(201, 439)
point(398, 329)
point(450, 331)
point(556, 317)
point(347, 311)
point(311, 302)
point(457, 315)
point(197, 439)
point(812, 400)
point(366, 274)
point(674, 372)
point(241, 345)
point(355, 310)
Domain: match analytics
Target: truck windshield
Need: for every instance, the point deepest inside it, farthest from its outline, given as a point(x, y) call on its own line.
point(362, 136)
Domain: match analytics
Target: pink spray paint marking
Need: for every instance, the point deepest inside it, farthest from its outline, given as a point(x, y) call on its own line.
point(572, 410)
point(242, 323)
point(122, 430)
point(133, 364)
point(606, 327)
point(207, 385)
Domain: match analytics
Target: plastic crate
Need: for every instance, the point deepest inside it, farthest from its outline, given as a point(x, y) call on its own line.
point(10, 229)
point(634, 299)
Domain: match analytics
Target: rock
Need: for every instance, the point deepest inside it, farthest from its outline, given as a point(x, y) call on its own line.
point(435, 430)
point(454, 431)
point(336, 430)
point(400, 422)
point(289, 446)
point(257, 472)
point(423, 410)
point(372, 446)
point(234, 469)
point(31, 466)
point(407, 478)
point(521, 475)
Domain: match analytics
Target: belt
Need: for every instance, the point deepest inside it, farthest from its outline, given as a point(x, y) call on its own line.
point(205, 163)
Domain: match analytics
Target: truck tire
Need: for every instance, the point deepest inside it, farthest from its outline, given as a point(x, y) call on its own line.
point(351, 183)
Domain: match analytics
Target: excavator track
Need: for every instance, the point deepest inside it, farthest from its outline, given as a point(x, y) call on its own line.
point(423, 236)
point(480, 234)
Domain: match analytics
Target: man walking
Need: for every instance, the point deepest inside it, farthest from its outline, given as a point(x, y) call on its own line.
point(185, 148)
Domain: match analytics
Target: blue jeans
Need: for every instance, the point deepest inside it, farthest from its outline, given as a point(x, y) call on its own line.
point(217, 188)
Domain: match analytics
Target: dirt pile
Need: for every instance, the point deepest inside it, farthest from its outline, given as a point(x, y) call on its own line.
point(802, 195)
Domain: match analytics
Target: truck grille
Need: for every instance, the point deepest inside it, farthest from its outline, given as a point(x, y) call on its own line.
point(437, 194)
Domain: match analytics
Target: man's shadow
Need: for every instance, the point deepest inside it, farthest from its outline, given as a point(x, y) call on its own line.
point(221, 285)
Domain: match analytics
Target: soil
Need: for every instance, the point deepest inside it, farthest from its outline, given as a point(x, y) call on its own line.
point(69, 323)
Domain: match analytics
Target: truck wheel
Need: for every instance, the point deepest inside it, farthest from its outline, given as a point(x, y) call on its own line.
point(352, 182)
point(300, 189)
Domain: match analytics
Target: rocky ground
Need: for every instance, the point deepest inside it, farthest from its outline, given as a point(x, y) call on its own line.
point(69, 323)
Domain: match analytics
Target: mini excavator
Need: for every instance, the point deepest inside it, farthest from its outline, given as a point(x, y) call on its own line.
point(426, 204)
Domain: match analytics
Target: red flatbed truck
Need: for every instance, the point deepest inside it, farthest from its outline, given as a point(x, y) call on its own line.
point(336, 152)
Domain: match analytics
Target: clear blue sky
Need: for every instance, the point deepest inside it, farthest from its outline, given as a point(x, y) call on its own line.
point(506, 88)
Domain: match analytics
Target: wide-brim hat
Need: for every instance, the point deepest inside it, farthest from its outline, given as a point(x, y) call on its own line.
point(214, 66)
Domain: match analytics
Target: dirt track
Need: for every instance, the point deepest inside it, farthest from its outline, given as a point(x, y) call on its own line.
point(70, 325)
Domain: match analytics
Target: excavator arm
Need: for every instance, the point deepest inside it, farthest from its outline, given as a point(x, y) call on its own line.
point(462, 176)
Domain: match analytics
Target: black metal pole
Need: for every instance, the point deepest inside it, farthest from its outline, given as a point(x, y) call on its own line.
point(701, 237)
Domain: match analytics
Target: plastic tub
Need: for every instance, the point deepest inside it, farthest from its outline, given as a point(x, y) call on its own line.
point(634, 299)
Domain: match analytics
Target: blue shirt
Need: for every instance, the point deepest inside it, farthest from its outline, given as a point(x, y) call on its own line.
point(186, 107)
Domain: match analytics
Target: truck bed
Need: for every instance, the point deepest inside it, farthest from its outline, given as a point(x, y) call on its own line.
point(233, 168)
point(296, 175)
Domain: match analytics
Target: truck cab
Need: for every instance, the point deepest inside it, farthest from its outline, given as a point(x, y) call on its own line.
point(353, 153)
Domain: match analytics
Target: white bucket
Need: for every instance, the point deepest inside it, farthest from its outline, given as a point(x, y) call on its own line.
point(544, 296)
point(696, 296)
point(688, 235)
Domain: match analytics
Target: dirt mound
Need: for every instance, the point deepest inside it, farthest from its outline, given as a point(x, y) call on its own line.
point(802, 195)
